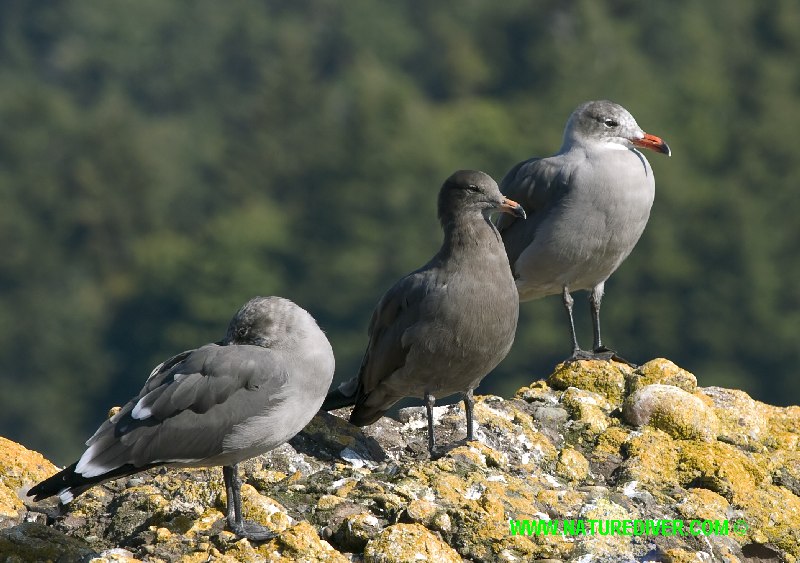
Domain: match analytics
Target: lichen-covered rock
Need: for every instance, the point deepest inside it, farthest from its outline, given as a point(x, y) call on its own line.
point(703, 504)
point(558, 452)
point(300, 543)
point(605, 378)
point(742, 420)
point(20, 468)
point(572, 465)
point(673, 410)
point(605, 545)
point(34, 542)
point(409, 543)
point(661, 371)
point(588, 409)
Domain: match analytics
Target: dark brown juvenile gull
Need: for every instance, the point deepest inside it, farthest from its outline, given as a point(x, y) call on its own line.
point(587, 206)
point(441, 329)
point(217, 405)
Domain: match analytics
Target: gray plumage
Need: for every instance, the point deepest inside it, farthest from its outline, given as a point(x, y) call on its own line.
point(587, 205)
point(217, 405)
point(441, 329)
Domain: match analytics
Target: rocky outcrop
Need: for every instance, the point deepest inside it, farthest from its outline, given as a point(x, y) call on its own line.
point(587, 458)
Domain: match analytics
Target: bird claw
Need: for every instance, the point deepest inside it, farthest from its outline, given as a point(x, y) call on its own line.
point(611, 356)
point(579, 355)
point(601, 353)
point(252, 531)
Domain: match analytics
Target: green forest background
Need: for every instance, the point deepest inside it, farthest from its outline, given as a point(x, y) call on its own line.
point(162, 162)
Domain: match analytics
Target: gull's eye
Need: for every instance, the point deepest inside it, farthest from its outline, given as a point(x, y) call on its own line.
point(473, 188)
point(610, 123)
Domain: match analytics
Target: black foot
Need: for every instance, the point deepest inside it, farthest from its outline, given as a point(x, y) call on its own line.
point(251, 531)
point(578, 355)
point(602, 353)
point(612, 356)
point(434, 455)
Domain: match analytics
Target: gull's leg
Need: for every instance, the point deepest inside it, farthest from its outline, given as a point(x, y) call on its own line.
point(469, 403)
point(600, 352)
point(242, 528)
point(430, 400)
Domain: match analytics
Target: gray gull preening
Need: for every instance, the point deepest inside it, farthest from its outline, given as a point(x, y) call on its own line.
point(587, 206)
point(441, 329)
point(217, 405)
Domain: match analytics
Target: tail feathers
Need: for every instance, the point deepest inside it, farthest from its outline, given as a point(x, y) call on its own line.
point(349, 394)
point(364, 415)
point(343, 396)
point(68, 484)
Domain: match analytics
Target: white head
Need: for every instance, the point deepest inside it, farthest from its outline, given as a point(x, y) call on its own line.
point(604, 122)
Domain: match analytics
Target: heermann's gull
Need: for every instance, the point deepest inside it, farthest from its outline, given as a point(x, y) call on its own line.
point(588, 206)
point(442, 328)
point(217, 405)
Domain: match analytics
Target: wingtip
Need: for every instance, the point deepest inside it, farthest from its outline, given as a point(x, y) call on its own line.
point(342, 396)
point(54, 485)
point(336, 400)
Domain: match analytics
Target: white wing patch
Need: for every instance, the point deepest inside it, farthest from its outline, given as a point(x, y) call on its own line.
point(143, 410)
point(85, 465)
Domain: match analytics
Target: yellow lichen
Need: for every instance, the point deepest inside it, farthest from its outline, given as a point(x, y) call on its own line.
point(652, 458)
point(601, 545)
point(783, 427)
point(329, 502)
point(492, 418)
point(678, 555)
point(673, 410)
point(611, 440)
point(300, 543)
point(20, 468)
point(468, 454)
point(703, 504)
point(589, 408)
point(773, 516)
point(262, 478)
point(536, 390)
point(719, 467)
point(162, 535)
point(204, 522)
point(346, 488)
point(743, 421)
point(572, 465)
point(409, 543)
point(605, 378)
point(264, 510)
point(422, 511)
point(562, 501)
point(661, 371)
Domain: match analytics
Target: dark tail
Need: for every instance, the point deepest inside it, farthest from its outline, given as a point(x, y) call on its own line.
point(347, 395)
point(364, 416)
point(342, 396)
point(74, 484)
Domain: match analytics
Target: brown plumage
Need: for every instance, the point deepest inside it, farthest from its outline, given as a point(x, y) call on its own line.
point(442, 328)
